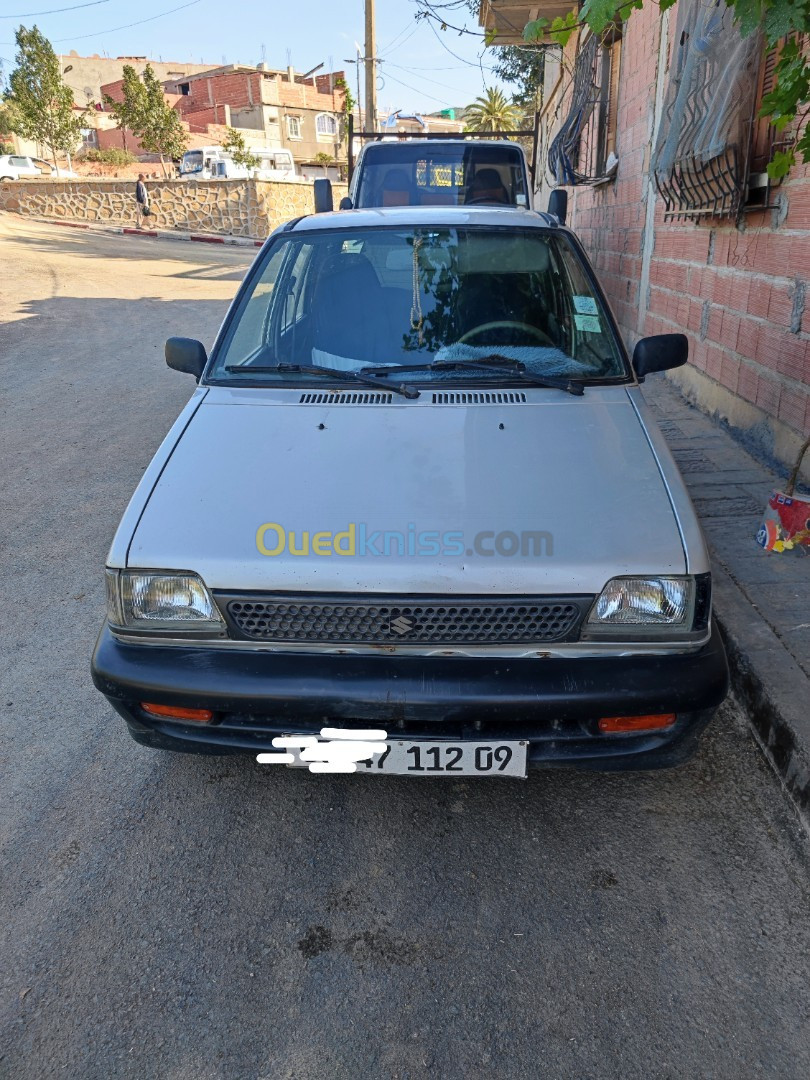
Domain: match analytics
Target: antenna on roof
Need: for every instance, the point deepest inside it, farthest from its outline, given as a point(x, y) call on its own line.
point(264, 53)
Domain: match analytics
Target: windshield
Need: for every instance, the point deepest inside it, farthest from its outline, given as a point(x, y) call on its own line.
point(462, 173)
point(192, 161)
point(350, 299)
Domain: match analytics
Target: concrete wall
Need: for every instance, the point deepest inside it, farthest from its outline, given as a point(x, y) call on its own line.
point(738, 291)
point(250, 208)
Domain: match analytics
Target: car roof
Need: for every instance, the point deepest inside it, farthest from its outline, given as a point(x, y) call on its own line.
point(460, 140)
point(448, 216)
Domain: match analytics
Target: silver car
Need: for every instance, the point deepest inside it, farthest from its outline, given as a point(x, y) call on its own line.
point(416, 504)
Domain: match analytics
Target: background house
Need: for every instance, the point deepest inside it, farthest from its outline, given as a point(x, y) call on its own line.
point(282, 108)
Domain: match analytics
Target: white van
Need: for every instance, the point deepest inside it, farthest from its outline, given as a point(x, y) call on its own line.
point(212, 163)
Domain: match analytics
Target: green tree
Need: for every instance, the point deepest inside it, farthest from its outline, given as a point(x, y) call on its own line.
point(348, 101)
point(777, 19)
point(235, 146)
point(130, 111)
point(492, 112)
point(324, 160)
point(160, 129)
point(9, 119)
point(524, 69)
point(42, 103)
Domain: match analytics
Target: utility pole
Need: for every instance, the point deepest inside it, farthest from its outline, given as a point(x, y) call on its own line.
point(371, 75)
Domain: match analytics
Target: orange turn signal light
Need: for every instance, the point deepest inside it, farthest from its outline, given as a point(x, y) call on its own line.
point(173, 712)
point(609, 725)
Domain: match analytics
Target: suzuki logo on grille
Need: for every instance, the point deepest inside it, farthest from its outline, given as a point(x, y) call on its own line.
point(401, 625)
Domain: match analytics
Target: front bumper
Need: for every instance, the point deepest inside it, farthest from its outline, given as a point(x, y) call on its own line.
point(554, 703)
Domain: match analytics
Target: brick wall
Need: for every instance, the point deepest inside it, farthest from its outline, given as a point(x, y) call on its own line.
point(739, 293)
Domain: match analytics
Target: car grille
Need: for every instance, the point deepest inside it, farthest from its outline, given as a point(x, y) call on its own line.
point(418, 621)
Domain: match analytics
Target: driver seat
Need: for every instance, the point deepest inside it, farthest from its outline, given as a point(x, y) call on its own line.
point(487, 187)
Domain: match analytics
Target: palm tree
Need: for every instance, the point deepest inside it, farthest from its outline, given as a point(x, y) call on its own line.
point(492, 112)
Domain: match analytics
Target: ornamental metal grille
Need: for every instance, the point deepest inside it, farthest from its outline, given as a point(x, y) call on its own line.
point(389, 620)
point(700, 159)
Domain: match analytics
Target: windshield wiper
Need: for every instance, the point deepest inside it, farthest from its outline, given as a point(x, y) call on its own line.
point(334, 373)
point(492, 362)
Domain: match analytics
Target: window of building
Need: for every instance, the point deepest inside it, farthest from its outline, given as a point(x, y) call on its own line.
point(326, 124)
point(584, 149)
point(711, 150)
point(89, 138)
point(185, 89)
point(294, 127)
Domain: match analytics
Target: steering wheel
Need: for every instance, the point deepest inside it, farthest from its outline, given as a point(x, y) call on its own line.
point(485, 199)
point(506, 324)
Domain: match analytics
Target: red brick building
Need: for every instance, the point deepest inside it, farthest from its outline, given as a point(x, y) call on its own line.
point(271, 108)
point(701, 245)
point(282, 107)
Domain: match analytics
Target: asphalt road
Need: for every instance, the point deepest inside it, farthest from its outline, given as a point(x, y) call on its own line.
point(180, 917)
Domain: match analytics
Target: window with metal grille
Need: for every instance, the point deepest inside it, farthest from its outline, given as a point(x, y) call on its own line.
point(599, 137)
point(703, 151)
point(294, 127)
point(581, 151)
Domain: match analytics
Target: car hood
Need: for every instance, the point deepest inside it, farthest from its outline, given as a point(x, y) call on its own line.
point(551, 494)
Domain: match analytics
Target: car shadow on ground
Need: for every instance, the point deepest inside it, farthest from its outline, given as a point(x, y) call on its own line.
point(95, 244)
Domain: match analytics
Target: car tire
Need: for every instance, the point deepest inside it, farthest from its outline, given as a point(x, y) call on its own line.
point(2, 178)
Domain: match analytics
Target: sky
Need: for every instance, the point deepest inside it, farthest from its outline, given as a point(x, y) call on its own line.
point(422, 69)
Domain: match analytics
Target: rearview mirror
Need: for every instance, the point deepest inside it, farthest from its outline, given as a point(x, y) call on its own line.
point(186, 354)
point(323, 196)
point(558, 204)
point(659, 353)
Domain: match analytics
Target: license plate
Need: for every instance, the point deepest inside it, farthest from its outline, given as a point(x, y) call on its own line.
point(449, 759)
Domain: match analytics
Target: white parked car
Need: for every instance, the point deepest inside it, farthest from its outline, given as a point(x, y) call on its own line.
point(17, 167)
point(417, 491)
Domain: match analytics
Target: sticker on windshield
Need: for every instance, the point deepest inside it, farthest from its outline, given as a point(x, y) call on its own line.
point(585, 305)
point(588, 323)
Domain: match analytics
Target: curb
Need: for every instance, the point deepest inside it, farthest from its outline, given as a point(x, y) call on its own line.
point(770, 685)
point(158, 234)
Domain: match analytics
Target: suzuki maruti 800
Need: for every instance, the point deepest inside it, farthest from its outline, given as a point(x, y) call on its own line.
point(417, 490)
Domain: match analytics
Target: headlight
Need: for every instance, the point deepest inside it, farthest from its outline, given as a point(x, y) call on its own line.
point(154, 600)
point(645, 607)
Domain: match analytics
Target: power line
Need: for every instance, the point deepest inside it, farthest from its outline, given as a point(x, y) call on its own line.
point(407, 86)
point(54, 11)
point(404, 30)
point(393, 48)
point(446, 47)
point(140, 22)
point(436, 82)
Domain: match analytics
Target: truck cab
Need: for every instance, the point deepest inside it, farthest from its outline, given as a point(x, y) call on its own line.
point(440, 172)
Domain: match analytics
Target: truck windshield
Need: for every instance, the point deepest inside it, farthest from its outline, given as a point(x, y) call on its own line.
point(192, 161)
point(458, 174)
point(350, 299)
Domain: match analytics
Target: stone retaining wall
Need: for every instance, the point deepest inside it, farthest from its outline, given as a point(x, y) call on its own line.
point(250, 208)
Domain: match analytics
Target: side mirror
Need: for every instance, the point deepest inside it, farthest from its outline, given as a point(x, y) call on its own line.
point(323, 195)
point(346, 203)
point(186, 354)
point(558, 204)
point(659, 353)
